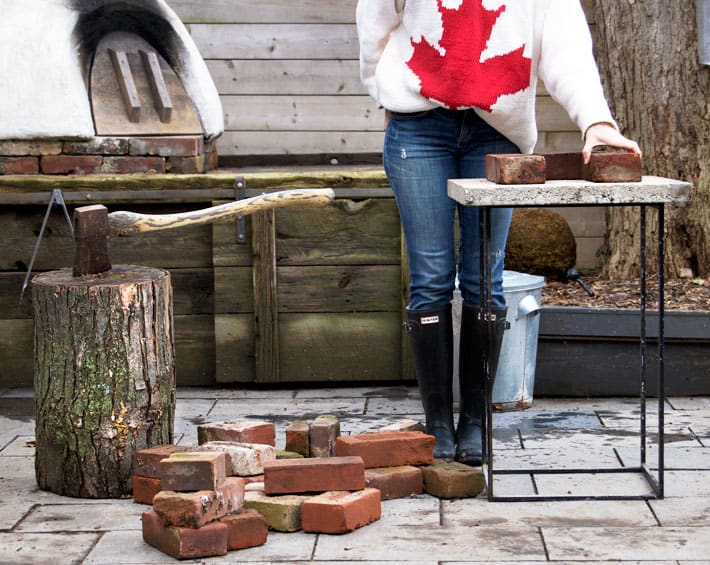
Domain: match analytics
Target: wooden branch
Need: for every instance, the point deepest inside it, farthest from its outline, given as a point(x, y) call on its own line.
point(126, 223)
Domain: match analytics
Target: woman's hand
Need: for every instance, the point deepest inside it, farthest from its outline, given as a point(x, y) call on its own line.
point(606, 134)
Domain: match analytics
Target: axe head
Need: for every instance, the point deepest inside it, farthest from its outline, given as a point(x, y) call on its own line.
point(91, 238)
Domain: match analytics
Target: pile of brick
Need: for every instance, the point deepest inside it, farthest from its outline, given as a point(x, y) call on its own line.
point(226, 492)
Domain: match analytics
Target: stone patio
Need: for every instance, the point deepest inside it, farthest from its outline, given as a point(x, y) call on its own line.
point(40, 527)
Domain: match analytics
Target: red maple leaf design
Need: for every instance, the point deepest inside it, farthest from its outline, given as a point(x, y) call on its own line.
point(458, 79)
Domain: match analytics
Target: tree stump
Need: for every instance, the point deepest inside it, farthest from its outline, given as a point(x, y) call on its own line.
point(104, 376)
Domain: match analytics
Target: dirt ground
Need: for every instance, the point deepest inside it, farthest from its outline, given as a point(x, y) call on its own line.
point(680, 294)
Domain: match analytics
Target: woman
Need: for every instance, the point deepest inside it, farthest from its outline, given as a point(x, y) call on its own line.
point(457, 79)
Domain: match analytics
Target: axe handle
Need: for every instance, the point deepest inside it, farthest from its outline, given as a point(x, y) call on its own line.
point(126, 223)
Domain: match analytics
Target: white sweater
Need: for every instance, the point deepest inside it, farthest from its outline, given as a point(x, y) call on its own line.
point(482, 54)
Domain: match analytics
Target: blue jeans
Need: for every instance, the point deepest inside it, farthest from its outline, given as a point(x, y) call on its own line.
point(422, 151)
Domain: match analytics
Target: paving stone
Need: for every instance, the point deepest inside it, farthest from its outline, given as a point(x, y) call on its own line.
point(424, 510)
point(626, 544)
point(80, 517)
point(682, 511)
point(282, 513)
point(583, 484)
point(686, 483)
point(18, 446)
point(675, 457)
point(544, 458)
point(444, 479)
point(33, 549)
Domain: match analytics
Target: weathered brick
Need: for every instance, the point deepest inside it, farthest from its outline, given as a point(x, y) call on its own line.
point(388, 449)
point(35, 147)
point(282, 454)
point(146, 462)
point(246, 459)
point(340, 512)
point(323, 432)
point(395, 482)
point(195, 509)
point(168, 146)
point(563, 166)
point(247, 528)
point(123, 165)
point(297, 437)
point(240, 430)
point(145, 489)
point(185, 543)
point(613, 166)
point(314, 474)
point(97, 146)
point(404, 425)
point(185, 165)
point(193, 471)
point(513, 168)
point(453, 480)
point(19, 165)
point(70, 164)
point(282, 513)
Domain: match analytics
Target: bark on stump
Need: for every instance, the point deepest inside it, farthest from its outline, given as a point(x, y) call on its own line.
point(104, 376)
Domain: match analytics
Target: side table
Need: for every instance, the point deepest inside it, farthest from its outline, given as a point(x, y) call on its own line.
point(651, 191)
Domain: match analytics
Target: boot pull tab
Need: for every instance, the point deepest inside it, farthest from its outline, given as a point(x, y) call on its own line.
point(484, 316)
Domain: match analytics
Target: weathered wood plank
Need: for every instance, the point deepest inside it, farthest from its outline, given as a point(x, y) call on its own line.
point(276, 41)
point(16, 353)
point(293, 77)
point(302, 113)
point(265, 11)
point(233, 290)
point(299, 142)
point(365, 232)
point(234, 348)
point(266, 298)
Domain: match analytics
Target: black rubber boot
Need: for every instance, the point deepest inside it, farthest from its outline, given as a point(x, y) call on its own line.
point(471, 429)
point(432, 344)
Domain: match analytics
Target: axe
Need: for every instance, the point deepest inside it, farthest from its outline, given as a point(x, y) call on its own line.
point(93, 225)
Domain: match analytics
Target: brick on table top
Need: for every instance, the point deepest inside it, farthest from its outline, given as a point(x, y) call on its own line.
point(404, 425)
point(240, 430)
point(146, 462)
point(324, 430)
point(395, 482)
point(503, 168)
point(145, 489)
point(70, 164)
point(563, 166)
point(185, 543)
point(282, 513)
point(167, 145)
point(297, 437)
point(450, 479)
point(613, 166)
point(247, 528)
point(193, 471)
point(245, 459)
point(314, 474)
point(340, 512)
point(26, 165)
point(195, 509)
point(388, 449)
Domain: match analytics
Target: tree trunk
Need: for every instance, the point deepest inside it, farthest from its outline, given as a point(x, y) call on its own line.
point(660, 95)
point(104, 376)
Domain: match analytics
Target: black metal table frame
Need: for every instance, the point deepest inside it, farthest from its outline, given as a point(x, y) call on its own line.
point(656, 482)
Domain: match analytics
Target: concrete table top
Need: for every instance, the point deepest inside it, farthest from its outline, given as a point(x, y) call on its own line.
point(651, 190)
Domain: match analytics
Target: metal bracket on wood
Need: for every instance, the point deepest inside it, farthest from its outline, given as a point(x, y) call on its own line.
point(240, 193)
point(57, 198)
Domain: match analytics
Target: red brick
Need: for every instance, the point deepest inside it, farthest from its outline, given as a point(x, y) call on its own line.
point(193, 471)
point(314, 474)
point(185, 165)
point(97, 146)
point(247, 528)
point(168, 146)
point(19, 165)
point(240, 430)
point(453, 480)
point(515, 168)
point(195, 509)
point(243, 459)
point(395, 482)
point(24, 147)
point(146, 462)
point(70, 164)
point(297, 437)
point(322, 435)
point(613, 166)
point(340, 512)
point(404, 425)
point(388, 449)
point(185, 543)
point(127, 165)
point(563, 166)
point(145, 489)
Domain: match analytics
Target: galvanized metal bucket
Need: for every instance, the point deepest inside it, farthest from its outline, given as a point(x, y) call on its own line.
point(515, 380)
